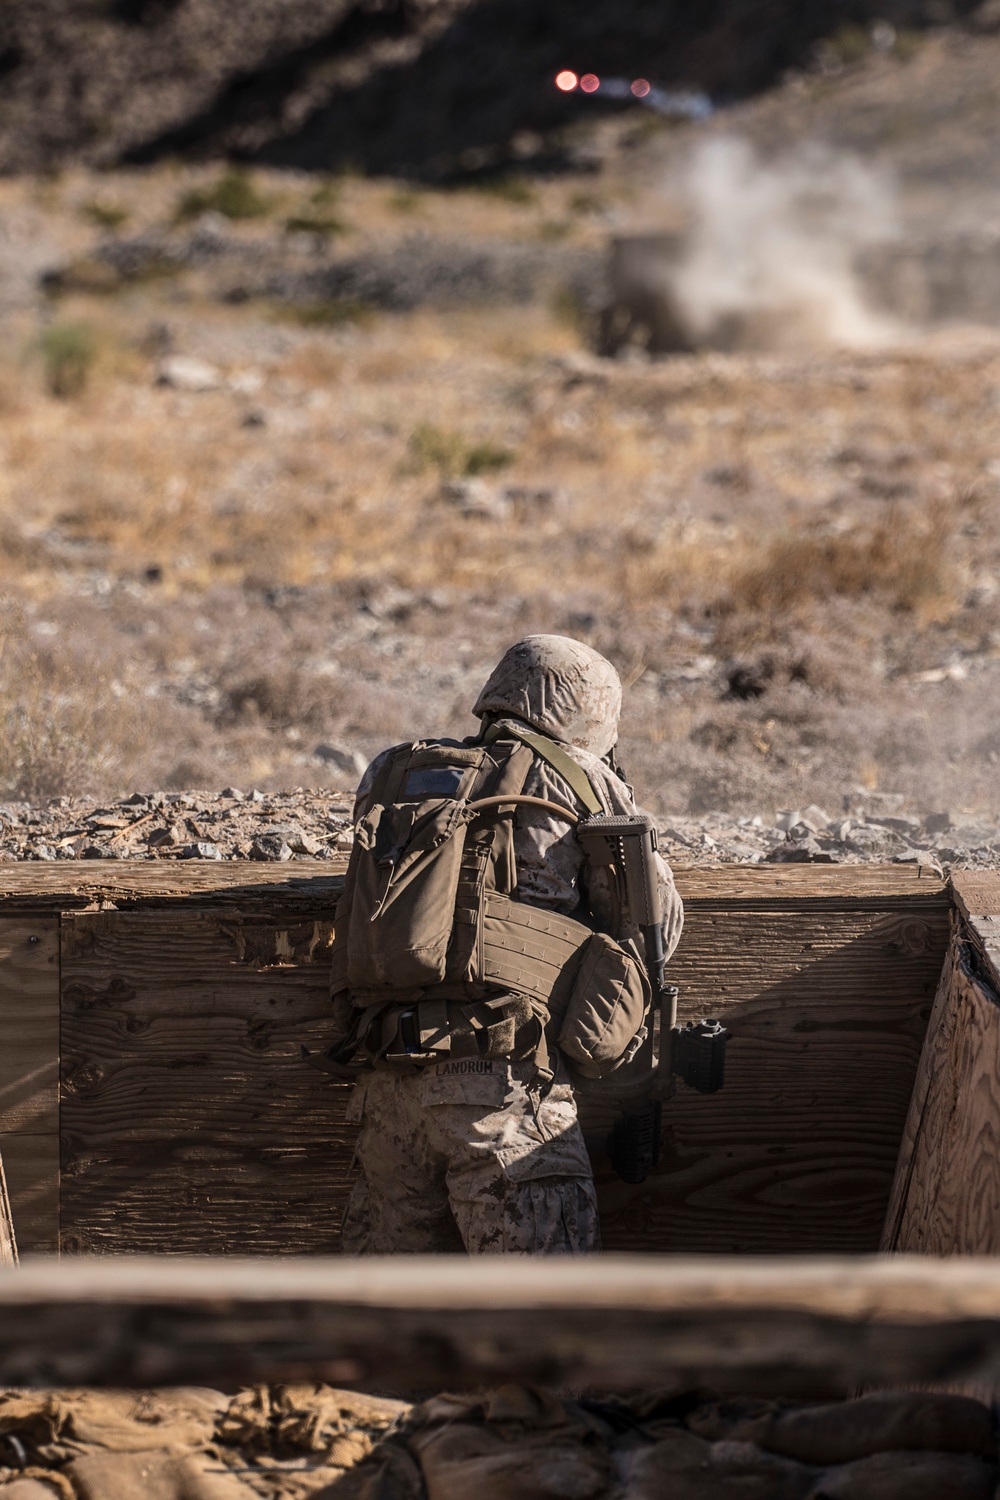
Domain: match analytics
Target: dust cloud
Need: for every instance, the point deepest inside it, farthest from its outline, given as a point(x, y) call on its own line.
point(769, 261)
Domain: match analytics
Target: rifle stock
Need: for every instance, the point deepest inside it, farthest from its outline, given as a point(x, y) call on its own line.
point(626, 847)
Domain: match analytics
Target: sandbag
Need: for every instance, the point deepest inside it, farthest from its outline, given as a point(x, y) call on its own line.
point(883, 1422)
point(307, 1418)
point(154, 1475)
point(464, 1462)
point(681, 1466)
point(513, 1443)
point(909, 1476)
point(37, 1487)
point(57, 1425)
point(396, 1476)
point(737, 1419)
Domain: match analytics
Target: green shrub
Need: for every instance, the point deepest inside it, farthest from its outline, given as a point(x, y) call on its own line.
point(105, 215)
point(69, 351)
point(587, 203)
point(512, 187)
point(313, 223)
point(452, 455)
point(486, 458)
point(406, 200)
point(908, 44)
point(327, 314)
point(233, 195)
point(850, 44)
point(568, 311)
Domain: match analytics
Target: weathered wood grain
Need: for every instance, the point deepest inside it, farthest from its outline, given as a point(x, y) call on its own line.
point(104, 883)
point(827, 1012)
point(29, 1075)
point(946, 1198)
point(795, 1326)
point(71, 886)
point(29, 1025)
point(976, 892)
point(842, 887)
point(189, 1121)
point(8, 1241)
point(977, 899)
point(938, 1028)
point(31, 1163)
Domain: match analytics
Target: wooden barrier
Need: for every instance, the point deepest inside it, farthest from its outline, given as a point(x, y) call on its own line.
point(803, 1326)
point(946, 1194)
point(152, 1097)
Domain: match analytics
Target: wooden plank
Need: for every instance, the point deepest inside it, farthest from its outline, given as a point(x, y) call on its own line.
point(71, 886)
point(977, 892)
point(795, 1326)
point(29, 1025)
point(827, 1012)
point(841, 887)
point(189, 1121)
point(32, 1167)
point(946, 1199)
point(241, 884)
point(932, 1053)
point(29, 1076)
point(977, 899)
point(8, 1241)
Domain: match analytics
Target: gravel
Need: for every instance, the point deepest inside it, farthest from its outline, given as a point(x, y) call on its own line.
point(233, 824)
point(283, 827)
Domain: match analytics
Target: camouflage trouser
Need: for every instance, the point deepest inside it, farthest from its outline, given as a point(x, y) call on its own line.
point(466, 1156)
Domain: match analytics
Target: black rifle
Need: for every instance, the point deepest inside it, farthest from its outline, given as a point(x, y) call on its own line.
point(626, 848)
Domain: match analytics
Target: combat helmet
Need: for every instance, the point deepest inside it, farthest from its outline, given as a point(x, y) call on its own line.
point(560, 687)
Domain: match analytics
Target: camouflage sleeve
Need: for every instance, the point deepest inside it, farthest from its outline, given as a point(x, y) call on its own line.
point(547, 857)
point(549, 861)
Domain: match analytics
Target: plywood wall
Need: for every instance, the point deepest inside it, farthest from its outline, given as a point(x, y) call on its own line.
point(188, 1122)
point(946, 1196)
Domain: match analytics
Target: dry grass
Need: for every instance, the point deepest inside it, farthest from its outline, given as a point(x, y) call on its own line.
point(65, 726)
point(276, 557)
point(903, 561)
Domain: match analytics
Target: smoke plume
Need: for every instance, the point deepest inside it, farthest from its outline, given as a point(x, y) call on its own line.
point(769, 260)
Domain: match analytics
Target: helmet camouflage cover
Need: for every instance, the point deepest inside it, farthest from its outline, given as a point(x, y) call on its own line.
point(560, 687)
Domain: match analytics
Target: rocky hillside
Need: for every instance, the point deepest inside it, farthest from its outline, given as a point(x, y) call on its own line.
point(389, 85)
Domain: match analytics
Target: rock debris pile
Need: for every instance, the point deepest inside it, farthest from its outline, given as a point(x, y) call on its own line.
point(278, 826)
point(231, 824)
point(872, 828)
point(286, 1442)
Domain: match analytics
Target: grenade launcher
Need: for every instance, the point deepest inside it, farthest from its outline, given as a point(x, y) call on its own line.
point(696, 1053)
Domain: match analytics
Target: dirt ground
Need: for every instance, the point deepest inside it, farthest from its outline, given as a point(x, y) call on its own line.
point(260, 567)
point(287, 1442)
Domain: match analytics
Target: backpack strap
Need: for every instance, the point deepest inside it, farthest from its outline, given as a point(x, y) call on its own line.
point(548, 750)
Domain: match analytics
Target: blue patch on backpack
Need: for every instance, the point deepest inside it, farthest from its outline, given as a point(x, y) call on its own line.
point(433, 781)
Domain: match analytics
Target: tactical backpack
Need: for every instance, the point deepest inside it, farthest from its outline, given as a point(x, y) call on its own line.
point(435, 956)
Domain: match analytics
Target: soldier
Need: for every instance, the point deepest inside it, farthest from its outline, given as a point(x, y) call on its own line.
point(471, 961)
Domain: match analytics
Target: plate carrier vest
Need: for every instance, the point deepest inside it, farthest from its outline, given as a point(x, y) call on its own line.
point(434, 956)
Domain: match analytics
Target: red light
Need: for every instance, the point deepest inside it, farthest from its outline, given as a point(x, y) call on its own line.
point(566, 81)
point(590, 83)
point(640, 87)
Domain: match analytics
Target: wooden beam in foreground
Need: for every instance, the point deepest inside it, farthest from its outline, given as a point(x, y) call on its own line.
point(800, 1326)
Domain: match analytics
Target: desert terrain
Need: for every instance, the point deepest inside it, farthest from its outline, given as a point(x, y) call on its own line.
point(288, 459)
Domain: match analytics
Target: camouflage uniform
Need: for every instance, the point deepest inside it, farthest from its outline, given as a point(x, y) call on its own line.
point(469, 1155)
point(478, 1153)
